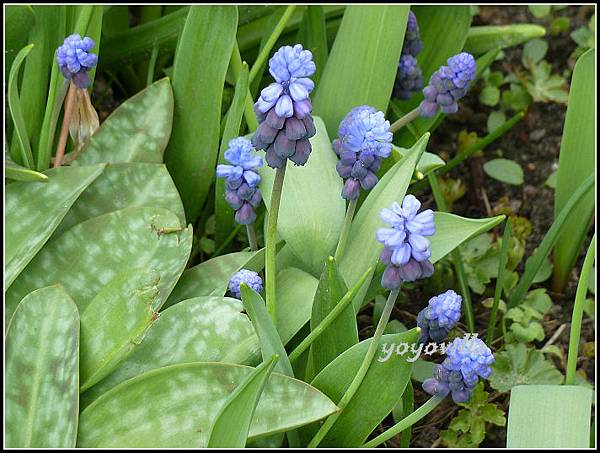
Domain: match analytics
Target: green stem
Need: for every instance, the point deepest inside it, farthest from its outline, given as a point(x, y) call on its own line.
point(362, 371)
point(152, 65)
point(399, 124)
point(499, 282)
point(236, 67)
point(406, 422)
point(456, 257)
point(266, 50)
point(330, 318)
point(252, 237)
point(345, 230)
point(577, 316)
point(271, 241)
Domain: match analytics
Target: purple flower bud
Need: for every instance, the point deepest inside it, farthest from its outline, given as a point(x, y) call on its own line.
point(74, 59)
point(303, 150)
point(245, 215)
point(283, 146)
point(249, 278)
point(440, 316)
point(391, 278)
point(409, 77)
point(351, 189)
point(412, 39)
point(295, 129)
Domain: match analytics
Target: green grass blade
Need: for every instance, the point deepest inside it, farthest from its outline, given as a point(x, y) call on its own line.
point(576, 161)
point(201, 61)
point(18, 20)
point(362, 65)
point(313, 36)
point(481, 39)
point(232, 424)
point(499, 281)
point(19, 173)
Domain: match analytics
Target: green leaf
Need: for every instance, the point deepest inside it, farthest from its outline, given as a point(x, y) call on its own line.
point(362, 249)
point(312, 193)
point(504, 170)
point(270, 343)
point(203, 329)
point(211, 277)
point(313, 36)
point(452, 230)
point(534, 51)
point(19, 173)
point(483, 38)
point(495, 120)
point(115, 321)
point(125, 185)
point(18, 21)
point(137, 131)
point(549, 416)
point(35, 209)
point(42, 361)
point(521, 365)
point(576, 161)
point(133, 238)
point(172, 416)
point(489, 95)
point(201, 60)
point(363, 62)
point(343, 332)
point(539, 10)
point(232, 424)
point(378, 394)
point(427, 163)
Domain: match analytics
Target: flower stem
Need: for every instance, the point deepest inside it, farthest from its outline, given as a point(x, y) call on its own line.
point(152, 65)
point(362, 371)
point(399, 124)
point(499, 282)
point(252, 237)
point(271, 241)
point(64, 131)
point(331, 316)
point(345, 230)
point(406, 422)
point(236, 67)
point(575, 335)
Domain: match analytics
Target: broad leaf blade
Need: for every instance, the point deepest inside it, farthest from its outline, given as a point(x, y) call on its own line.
point(549, 416)
point(18, 173)
point(201, 60)
point(231, 427)
point(42, 371)
point(115, 321)
point(312, 193)
point(35, 209)
point(180, 403)
point(18, 21)
point(483, 38)
point(203, 329)
point(137, 131)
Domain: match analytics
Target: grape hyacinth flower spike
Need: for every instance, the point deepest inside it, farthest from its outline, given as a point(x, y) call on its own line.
point(412, 37)
point(364, 138)
point(250, 278)
point(406, 249)
point(439, 317)
point(241, 179)
point(409, 77)
point(75, 59)
point(467, 359)
point(283, 108)
point(448, 84)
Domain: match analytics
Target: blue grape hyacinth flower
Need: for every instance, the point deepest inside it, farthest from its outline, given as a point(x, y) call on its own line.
point(250, 278)
point(409, 77)
point(241, 179)
point(467, 359)
point(448, 84)
point(440, 316)
point(75, 59)
point(364, 138)
point(283, 108)
point(412, 37)
point(406, 248)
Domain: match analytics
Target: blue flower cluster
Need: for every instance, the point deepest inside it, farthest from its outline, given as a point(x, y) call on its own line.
point(440, 316)
point(467, 359)
point(448, 84)
point(283, 108)
point(364, 138)
point(406, 249)
point(409, 77)
point(241, 179)
point(75, 60)
point(250, 278)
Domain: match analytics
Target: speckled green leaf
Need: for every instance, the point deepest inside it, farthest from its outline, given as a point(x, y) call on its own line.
point(89, 255)
point(232, 425)
point(452, 230)
point(312, 193)
point(34, 210)
point(203, 329)
point(175, 407)
point(212, 277)
point(125, 185)
point(362, 250)
point(377, 396)
point(137, 131)
point(41, 375)
point(115, 321)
